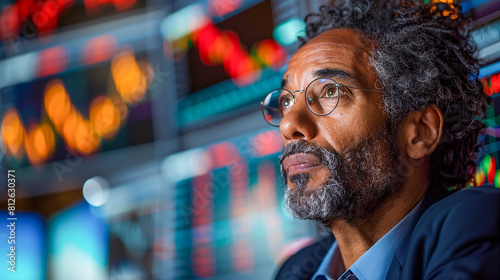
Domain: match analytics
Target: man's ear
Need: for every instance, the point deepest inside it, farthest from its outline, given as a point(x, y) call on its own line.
point(421, 132)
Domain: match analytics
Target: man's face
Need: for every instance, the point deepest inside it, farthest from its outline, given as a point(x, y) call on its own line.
point(343, 165)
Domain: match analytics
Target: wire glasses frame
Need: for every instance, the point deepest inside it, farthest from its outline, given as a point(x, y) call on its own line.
point(322, 96)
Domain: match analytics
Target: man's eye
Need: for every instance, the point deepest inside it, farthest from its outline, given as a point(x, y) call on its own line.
point(330, 92)
point(286, 103)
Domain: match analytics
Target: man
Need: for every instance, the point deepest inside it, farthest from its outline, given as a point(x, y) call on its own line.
point(380, 112)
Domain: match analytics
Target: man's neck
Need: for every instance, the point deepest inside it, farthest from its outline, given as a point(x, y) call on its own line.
point(354, 239)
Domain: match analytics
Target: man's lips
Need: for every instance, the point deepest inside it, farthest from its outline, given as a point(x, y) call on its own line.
point(301, 162)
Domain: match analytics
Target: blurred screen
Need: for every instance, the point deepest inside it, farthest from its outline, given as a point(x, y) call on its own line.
point(28, 260)
point(78, 244)
point(91, 109)
point(251, 27)
point(487, 170)
point(29, 19)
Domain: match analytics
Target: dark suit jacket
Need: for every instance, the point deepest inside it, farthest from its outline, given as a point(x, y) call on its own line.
point(453, 236)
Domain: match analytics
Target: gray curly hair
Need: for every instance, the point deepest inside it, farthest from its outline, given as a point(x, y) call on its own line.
point(423, 56)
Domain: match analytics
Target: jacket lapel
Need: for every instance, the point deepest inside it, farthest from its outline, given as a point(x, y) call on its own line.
point(433, 195)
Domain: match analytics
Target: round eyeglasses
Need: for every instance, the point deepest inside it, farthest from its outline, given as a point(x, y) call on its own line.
point(322, 97)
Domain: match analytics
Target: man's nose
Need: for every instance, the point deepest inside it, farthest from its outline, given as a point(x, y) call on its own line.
point(299, 122)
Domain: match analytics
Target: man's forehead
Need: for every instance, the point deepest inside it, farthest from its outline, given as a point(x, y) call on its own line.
point(336, 49)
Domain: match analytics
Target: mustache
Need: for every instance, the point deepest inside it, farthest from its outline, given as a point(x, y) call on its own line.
point(302, 146)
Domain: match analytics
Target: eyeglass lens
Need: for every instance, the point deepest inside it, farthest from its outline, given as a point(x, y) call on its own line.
point(322, 97)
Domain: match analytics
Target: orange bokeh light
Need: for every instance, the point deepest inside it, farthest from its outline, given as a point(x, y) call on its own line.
point(271, 54)
point(40, 143)
point(70, 127)
point(106, 114)
point(130, 81)
point(47, 134)
point(87, 140)
point(105, 117)
point(13, 132)
point(57, 103)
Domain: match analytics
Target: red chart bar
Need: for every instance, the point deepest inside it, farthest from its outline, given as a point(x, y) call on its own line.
point(203, 257)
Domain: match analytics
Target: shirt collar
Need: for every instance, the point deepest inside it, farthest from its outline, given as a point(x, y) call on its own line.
point(382, 251)
point(322, 272)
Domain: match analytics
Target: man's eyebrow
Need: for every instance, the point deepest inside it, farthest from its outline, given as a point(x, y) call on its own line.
point(284, 82)
point(331, 73)
point(325, 73)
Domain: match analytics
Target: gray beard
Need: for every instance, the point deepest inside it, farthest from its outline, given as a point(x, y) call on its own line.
point(361, 179)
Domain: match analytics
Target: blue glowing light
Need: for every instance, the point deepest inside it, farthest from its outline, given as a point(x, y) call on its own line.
point(286, 32)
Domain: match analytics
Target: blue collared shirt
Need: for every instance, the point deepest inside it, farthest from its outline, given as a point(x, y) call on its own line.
point(374, 263)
